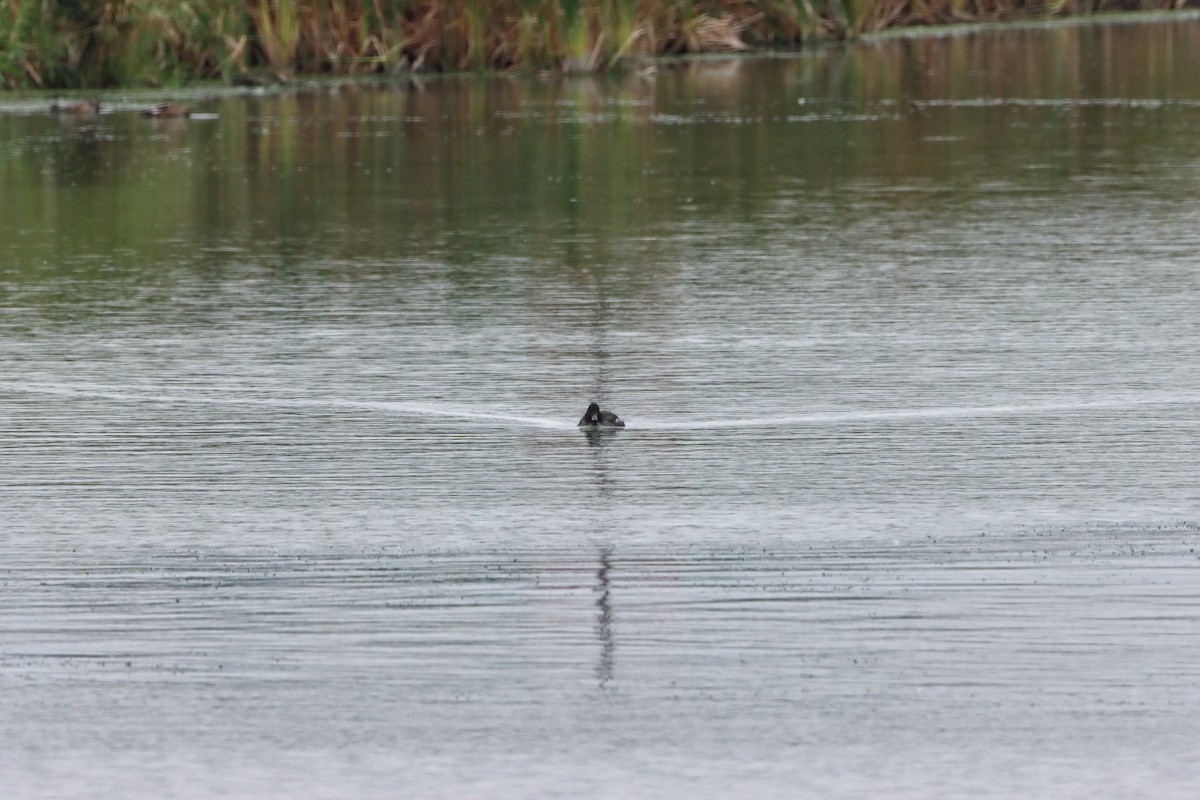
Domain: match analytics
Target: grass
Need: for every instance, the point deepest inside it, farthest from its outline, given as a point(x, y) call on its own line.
point(168, 42)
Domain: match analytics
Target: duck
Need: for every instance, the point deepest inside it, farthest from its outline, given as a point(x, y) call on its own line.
point(595, 418)
point(80, 107)
point(167, 111)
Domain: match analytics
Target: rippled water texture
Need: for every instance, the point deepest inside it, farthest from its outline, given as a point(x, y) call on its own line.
point(905, 335)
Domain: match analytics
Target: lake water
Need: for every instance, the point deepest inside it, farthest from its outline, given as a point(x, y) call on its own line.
point(908, 505)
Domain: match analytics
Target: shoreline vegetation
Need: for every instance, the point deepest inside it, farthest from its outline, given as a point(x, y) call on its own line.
point(123, 43)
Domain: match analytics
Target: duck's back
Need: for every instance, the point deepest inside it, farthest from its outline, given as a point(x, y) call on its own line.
point(611, 420)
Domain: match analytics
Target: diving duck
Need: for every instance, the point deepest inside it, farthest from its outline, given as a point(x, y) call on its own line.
point(167, 111)
point(595, 418)
point(79, 107)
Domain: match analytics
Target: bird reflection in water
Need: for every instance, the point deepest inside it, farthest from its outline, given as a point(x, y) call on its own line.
point(604, 619)
point(599, 436)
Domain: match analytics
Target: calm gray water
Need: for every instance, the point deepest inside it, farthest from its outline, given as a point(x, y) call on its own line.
point(905, 335)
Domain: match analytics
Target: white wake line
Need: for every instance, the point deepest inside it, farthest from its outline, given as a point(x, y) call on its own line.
point(943, 412)
point(450, 411)
point(418, 409)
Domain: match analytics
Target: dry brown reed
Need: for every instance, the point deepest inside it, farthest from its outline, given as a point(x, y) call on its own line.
point(121, 42)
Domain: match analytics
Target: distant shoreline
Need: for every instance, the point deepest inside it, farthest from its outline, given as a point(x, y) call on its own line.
point(156, 43)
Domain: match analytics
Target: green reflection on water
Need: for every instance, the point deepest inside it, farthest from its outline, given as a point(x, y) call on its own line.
point(609, 177)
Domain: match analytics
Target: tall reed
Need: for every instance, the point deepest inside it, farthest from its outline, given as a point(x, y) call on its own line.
point(125, 42)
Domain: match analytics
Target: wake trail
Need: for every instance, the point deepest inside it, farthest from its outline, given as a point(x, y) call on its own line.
point(442, 410)
point(931, 413)
point(452, 411)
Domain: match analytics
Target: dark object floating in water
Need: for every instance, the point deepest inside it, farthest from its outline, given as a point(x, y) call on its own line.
point(595, 418)
point(80, 107)
point(167, 111)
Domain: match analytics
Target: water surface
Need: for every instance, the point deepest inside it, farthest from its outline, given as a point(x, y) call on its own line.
point(904, 334)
